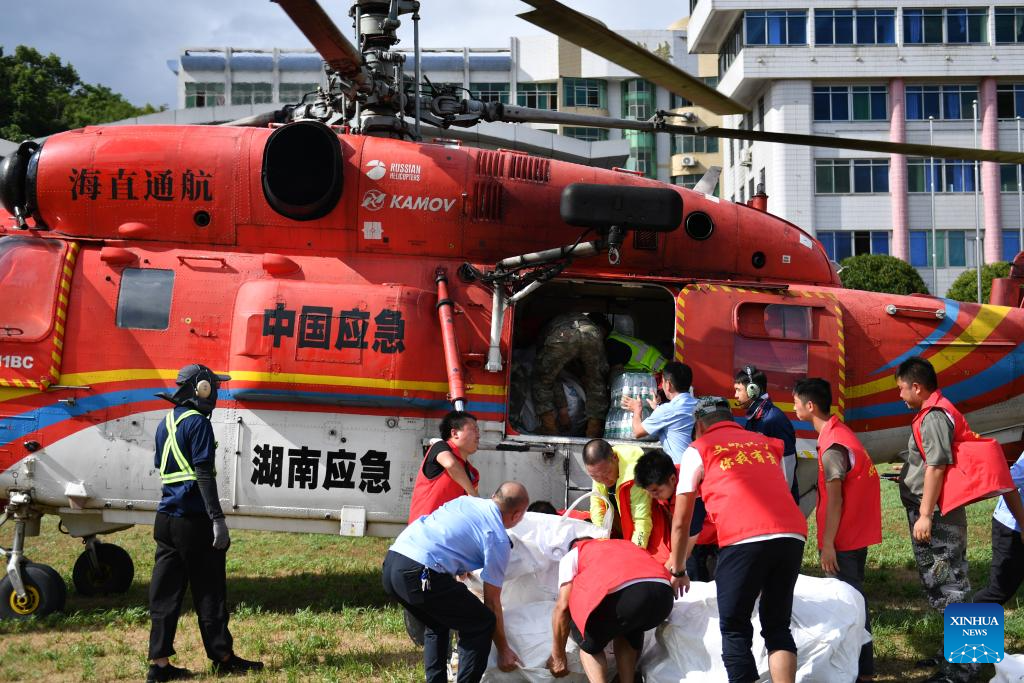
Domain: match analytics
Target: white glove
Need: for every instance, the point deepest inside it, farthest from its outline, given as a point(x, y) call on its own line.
point(221, 537)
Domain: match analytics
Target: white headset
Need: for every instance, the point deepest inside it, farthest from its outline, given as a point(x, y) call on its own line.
point(204, 388)
point(753, 391)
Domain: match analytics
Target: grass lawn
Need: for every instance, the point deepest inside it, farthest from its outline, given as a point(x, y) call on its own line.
point(312, 608)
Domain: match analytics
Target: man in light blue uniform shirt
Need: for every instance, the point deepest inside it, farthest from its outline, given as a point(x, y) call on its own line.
point(1007, 572)
point(671, 422)
point(419, 571)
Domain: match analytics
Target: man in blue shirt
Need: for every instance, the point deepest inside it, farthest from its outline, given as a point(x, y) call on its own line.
point(419, 571)
point(763, 417)
point(671, 422)
point(1007, 572)
point(191, 535)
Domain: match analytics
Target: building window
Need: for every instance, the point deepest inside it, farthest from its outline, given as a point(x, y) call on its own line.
point(941, 101)
point(1010, 100)
point(251, 93)
point(204, 95)
point(694, 144)
point(775, 27)
point(843, 176)
point(294, 92)
point(489, 92)
point(950, 248)
point(585, 92)
point(731, 47)
point(537, 95)
point(851, 103)
point(1011, 244)
point(1008, 177)
point(641, 152)
point(1010, 24)
point(949, 25)
point(589, 134)
point(950, 175)
point(637, 99)
point(842, 244)
point(860, 26)
point(688, 180)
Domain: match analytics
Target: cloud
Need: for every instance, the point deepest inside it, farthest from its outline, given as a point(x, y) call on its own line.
point(125, 44)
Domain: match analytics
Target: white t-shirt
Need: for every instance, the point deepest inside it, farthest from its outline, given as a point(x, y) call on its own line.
point(569, 567)
point(691, 474)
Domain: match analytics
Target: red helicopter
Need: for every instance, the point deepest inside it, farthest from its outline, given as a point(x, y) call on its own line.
point(357, 282)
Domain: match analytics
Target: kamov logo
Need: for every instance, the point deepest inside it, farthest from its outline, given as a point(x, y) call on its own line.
point(377, 169)
point(373, 200)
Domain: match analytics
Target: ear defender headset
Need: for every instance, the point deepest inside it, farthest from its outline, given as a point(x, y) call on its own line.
point(204, 388)
point(753, 391)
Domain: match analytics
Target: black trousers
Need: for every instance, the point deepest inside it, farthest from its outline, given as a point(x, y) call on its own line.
point(700, 566)
point(1007, 571)
point(851, 571)
point(445, 606)
point(185, 558)
point(627, 613)
point(746, 570)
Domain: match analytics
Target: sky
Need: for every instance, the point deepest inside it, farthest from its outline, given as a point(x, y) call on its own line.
point(125, 44)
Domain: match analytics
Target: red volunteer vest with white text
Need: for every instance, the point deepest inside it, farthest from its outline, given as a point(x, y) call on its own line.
point(860, 523)
point(430, 494)
point(603, 565)
point(979, 468)
point(655, 541)
point(744, 488)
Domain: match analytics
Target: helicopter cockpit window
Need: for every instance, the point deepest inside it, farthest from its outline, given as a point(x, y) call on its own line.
point(144, 302)
point(29, 271)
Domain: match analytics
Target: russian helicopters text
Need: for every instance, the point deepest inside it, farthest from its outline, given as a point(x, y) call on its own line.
point(357, 282)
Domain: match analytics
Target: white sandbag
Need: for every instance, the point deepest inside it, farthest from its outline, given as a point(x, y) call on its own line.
point(827, 626)
point(1010, 670)
point(528, 628)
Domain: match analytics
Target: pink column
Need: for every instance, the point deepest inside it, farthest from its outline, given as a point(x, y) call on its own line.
point(898, 170)
point(990, 198)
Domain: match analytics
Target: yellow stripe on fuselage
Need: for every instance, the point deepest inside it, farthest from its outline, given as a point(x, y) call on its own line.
point(987, 320)
point(105, 376)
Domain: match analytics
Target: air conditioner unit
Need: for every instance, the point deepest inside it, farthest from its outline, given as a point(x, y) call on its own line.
point(688, 161)
point(747, 157)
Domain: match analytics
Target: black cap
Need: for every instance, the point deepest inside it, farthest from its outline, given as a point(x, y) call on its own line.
point(707, 405)
point(190, 371)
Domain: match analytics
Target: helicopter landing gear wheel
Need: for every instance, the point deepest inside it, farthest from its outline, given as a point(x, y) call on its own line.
point(103, 569)
point(45, 593)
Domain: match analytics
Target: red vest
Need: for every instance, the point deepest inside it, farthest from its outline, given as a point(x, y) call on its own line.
point(605, 564)
point(979, 468)
point(430, 494)
point(744, 488)
point(659, 529)
point(860, 522)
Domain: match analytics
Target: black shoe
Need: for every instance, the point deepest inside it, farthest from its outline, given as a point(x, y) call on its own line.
point(927, 663)
point(236, 665)
point(166, 673)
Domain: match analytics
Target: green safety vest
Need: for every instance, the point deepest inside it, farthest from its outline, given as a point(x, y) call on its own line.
point(185, 471)
point(643, 357)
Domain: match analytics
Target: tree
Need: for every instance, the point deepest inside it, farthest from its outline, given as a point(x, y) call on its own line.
point(881, 273)
point(965, 287)
point(41, 96)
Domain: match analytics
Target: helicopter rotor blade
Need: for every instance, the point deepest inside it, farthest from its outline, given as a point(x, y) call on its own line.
point(513, 114)
point(591, 35)
point(340, 54)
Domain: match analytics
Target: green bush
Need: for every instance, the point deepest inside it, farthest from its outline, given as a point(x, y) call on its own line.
point(881, 273)
point(965, 287)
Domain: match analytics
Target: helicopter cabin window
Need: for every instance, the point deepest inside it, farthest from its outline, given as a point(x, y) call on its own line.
point(204, 95)
point(644, 315)
point(29, 272)
point(144, 302)
point(773, 337)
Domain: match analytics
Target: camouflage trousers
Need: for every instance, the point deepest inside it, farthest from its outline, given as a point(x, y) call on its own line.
point(942, 566)
point(569, 338)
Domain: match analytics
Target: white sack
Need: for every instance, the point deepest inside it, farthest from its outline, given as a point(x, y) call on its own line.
point(1010, 670)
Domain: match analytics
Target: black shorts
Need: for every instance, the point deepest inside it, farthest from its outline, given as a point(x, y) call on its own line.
point(628, 613)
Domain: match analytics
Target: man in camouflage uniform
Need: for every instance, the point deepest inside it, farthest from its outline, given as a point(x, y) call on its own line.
point(939, 541)
point(568, 337)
